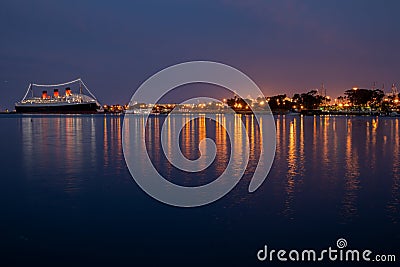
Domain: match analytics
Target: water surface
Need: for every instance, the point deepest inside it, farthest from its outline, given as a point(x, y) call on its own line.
point(67, 197)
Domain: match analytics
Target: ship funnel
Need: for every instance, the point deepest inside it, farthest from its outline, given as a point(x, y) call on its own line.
point(68, 91)
point(44, 94)
point(56, 93)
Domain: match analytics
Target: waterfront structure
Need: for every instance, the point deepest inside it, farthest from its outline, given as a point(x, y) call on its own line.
point(58, 102)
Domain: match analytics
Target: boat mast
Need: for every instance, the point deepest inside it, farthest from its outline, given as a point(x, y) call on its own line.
point(394, 90)
point(27, 91)
point(80, 86)
point(87, 89)
point(323, 91)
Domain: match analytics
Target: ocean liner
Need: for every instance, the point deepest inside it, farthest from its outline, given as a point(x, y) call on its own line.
point(66, 102)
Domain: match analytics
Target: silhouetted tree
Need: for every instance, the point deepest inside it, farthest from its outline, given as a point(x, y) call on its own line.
point(311, 100)
point(363, 97)
point(278, 102)
point(297, 98)
point(238, 103)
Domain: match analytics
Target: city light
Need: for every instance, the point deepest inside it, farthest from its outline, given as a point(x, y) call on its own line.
point(304, 103)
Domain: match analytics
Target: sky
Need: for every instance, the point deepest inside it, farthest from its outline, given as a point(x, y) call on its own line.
point(285, 46)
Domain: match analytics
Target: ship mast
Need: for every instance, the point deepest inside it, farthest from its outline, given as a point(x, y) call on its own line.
point(394, 90)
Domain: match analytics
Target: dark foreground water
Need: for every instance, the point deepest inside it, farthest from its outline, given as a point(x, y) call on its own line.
point(67, 198)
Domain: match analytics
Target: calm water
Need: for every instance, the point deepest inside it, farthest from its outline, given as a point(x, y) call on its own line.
point(67, 197)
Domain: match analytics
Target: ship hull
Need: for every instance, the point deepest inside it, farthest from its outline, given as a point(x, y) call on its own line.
point(76, 108)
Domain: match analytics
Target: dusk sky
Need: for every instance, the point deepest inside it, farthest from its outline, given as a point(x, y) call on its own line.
point(284, 46)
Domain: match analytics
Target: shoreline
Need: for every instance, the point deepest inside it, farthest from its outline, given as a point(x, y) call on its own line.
point(289, 114)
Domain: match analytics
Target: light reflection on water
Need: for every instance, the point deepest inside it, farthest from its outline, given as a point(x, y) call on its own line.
point(64, 180)
point(352, 174)
point(339, 161)
point(59, 150)
point(393, 204)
